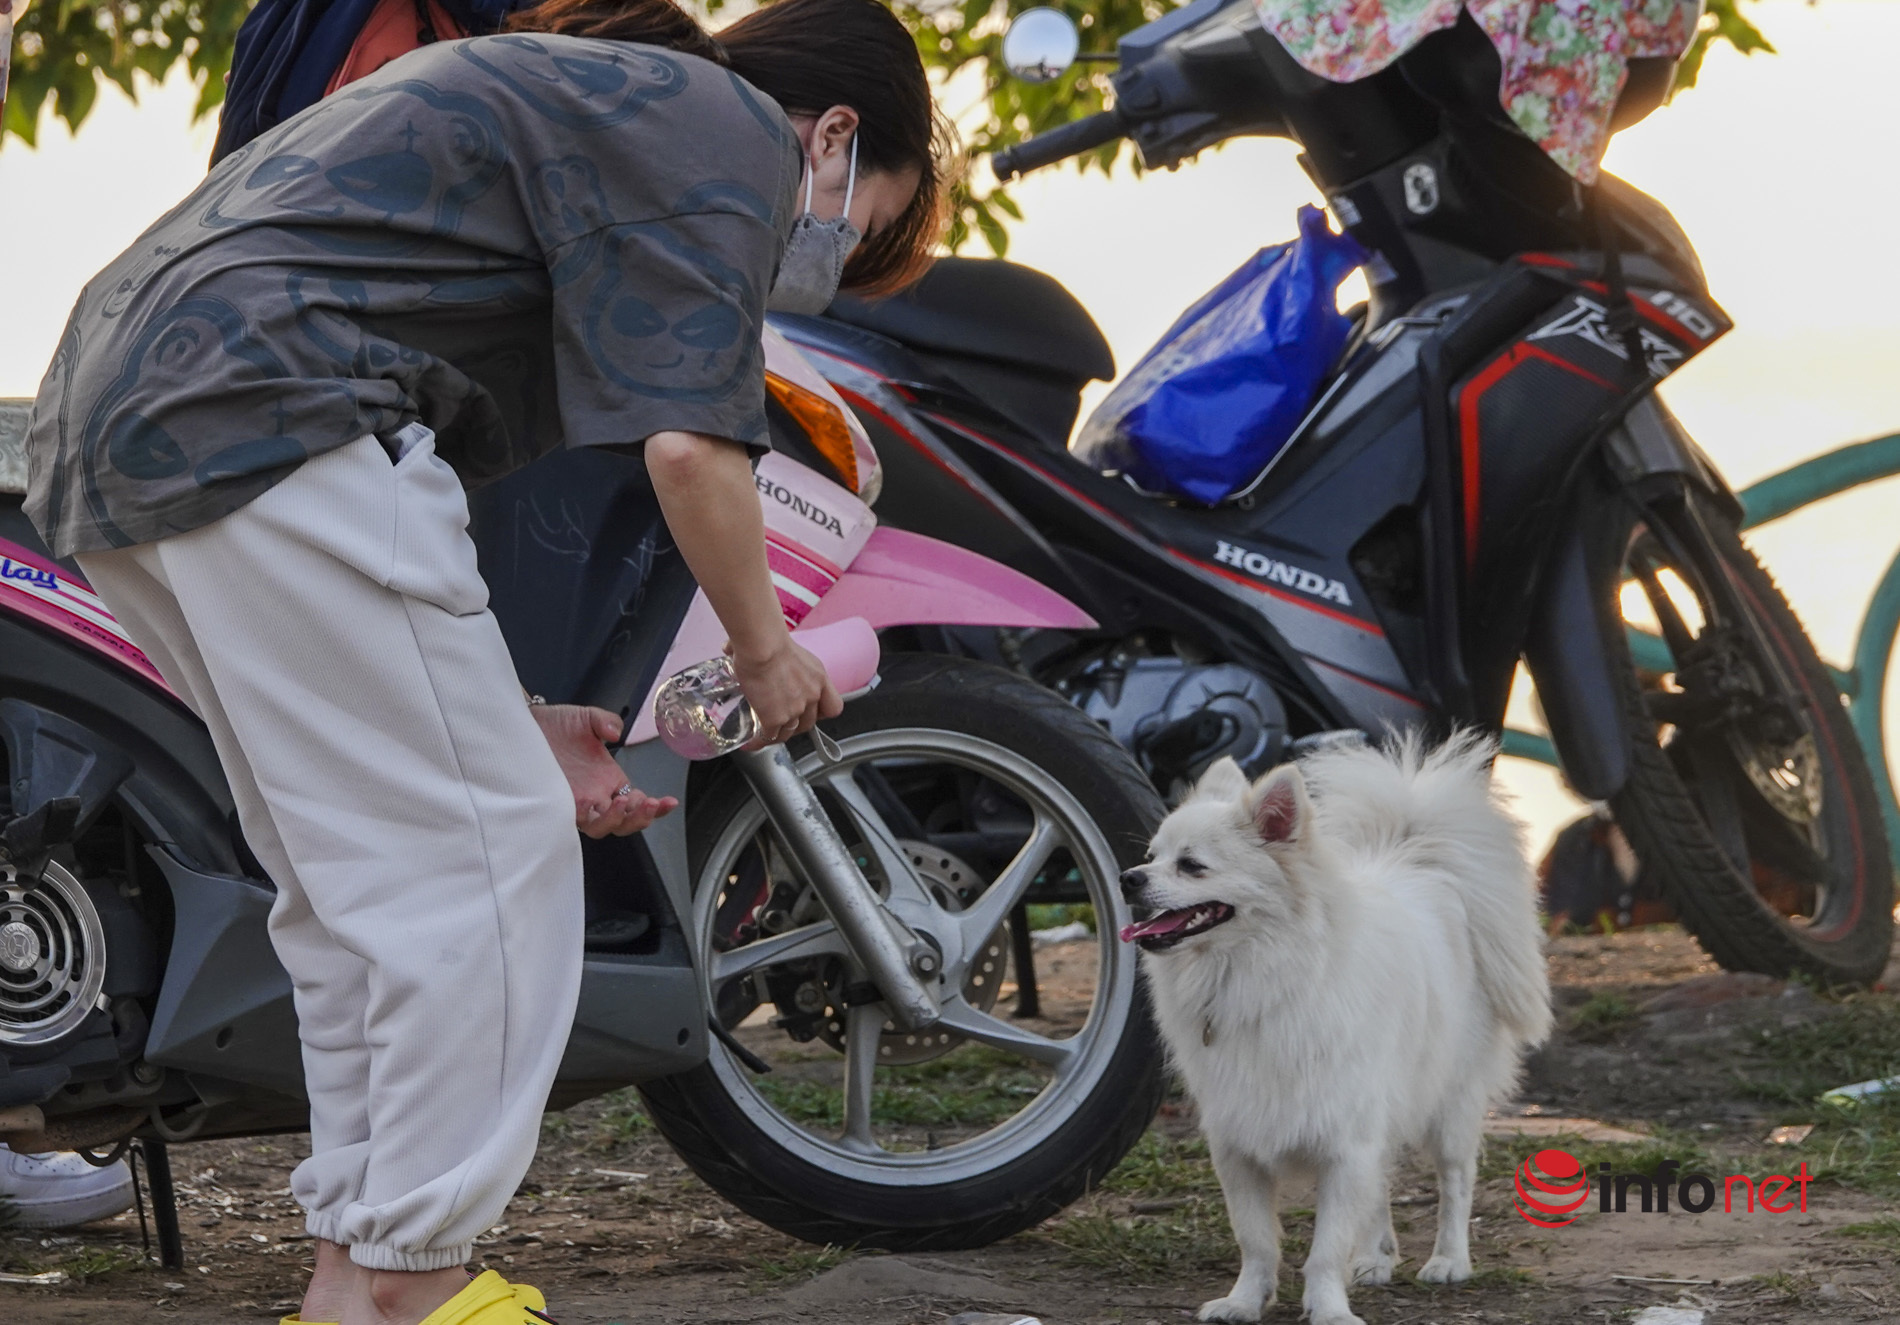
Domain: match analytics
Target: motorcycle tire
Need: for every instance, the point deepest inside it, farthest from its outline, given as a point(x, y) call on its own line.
point(802, 1194)
point(1676, 794)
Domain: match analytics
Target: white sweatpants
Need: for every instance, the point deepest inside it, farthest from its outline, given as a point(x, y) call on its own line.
point(334, 636)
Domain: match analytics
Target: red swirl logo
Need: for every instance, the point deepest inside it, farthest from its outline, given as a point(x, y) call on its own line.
point(1551, 1186)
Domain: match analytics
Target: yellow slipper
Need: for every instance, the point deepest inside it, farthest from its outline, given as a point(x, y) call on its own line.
point(490, 1299)
point(527, 1298)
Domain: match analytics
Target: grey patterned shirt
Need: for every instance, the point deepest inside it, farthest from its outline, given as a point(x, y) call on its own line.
point(517, 240)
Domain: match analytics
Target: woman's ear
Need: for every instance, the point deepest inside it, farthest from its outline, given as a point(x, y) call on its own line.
point(831, 135)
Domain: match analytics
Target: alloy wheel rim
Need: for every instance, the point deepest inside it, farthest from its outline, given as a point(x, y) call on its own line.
point(1063, 824)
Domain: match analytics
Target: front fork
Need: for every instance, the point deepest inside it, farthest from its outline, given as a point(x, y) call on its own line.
point(1647, 456)
point(895, 958)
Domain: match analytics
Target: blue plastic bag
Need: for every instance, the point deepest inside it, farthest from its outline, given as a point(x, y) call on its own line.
point(1222, 391)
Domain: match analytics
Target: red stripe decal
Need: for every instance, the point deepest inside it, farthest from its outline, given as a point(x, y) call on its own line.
point(1471, 447)
point(798, 570)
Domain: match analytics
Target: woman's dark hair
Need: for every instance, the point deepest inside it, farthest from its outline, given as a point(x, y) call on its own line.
point(810, 55)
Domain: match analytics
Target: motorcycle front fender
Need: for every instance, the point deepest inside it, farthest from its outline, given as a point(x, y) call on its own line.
point(1566, 647)
point(1572, 667)
point(898, 579)
point(906, 579)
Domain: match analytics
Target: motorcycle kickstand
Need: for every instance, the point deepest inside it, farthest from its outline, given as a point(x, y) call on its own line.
point(158, 1176)
point(1023, 954)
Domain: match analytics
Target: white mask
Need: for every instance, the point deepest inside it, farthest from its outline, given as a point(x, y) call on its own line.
point(815, 254)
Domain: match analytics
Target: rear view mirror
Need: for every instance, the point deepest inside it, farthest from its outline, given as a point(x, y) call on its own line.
point(1041, 45)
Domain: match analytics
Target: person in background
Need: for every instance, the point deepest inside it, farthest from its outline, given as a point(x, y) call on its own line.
point(60, 1190)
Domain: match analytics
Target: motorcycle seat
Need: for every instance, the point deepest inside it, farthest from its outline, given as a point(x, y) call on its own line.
point(1011, 334)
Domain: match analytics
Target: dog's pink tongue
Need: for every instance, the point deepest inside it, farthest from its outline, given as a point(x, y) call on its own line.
point(1166, 922)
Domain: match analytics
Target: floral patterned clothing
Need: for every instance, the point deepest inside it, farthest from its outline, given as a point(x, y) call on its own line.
point(1564, 60)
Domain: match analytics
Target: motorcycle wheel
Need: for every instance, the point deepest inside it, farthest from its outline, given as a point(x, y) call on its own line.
point(1748, 789)
point(863, 1135)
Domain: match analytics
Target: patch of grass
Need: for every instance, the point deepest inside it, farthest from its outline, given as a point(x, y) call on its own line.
point(795, 1267)
point(1161, 1166)
point(1602, 1015)
point(1190, 1234)
point(1177, 1225)
point(971, 1086)
point(1503, 1154)
point(1499, 1276)
point(81, 1264)
point(1191, 1237)
point(621, 1118)
point(1488, 1276)
point(1049, 915)
point(1884, 1232)
point(1860, 1041)
point(1856, 1144)
point(89, 1263)
point(624, 1116)
point(1785, 1286)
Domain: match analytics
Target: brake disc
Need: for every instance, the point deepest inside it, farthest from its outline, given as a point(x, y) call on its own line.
point(955, 886)
point(1786, 773)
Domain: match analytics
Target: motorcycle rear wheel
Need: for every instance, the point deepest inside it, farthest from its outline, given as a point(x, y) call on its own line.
point(946, 750)
point(1767, 832)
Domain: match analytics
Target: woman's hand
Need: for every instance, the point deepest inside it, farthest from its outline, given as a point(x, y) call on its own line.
point(578, 736)
point(706, 489)
point(788, 688)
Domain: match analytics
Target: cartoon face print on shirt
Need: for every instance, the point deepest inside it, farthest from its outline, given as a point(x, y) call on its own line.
point(413, 165)
point(567, 198)
point(595, 90)
point(128, 286)
point(665, 311)
point(191, 340)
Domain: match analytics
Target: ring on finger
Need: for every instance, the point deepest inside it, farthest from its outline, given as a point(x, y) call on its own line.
point(626, 789)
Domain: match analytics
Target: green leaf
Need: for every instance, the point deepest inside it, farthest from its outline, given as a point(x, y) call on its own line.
point(75, 97)
point(78, 42)
point(993, 233)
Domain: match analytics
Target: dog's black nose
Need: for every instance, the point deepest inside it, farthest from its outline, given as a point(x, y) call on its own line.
point(1132, 881)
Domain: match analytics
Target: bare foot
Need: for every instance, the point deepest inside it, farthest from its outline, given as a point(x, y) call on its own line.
point(578, 737)
point(397, 1297)
point(332, 1284)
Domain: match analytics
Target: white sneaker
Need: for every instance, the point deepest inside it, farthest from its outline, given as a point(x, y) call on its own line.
point(60, 1190)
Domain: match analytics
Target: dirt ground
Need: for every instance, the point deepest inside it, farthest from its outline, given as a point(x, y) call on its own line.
point(1659, 1055)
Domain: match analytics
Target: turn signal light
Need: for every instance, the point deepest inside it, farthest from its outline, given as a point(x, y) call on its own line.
point(824, 423)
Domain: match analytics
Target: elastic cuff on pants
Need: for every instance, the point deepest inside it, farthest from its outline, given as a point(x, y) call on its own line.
point(372, 1257)
point(319, 1225)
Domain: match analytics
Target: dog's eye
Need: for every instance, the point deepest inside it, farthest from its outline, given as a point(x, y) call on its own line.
point(1190, 867)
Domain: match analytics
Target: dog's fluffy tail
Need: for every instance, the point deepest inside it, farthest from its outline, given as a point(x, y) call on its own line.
point(1438, 806)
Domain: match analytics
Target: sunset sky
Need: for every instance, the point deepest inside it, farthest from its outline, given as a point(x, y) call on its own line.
point(1781, 169)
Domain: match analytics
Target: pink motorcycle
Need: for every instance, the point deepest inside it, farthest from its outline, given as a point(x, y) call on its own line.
point(821, 972)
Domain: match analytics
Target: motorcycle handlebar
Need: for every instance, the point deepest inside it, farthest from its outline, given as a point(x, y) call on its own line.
point(1045, 149)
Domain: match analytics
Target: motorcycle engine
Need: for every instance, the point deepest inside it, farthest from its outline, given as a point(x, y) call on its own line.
point(1178, 716)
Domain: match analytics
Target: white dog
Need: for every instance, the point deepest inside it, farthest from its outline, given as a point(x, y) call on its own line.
point(1346, 960)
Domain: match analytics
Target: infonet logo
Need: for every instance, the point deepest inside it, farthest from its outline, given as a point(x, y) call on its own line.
point(1263, 567)
point(1552, 1188)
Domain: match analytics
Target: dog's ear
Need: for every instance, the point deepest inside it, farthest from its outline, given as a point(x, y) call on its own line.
point(1222, 781)
point(1280, 808)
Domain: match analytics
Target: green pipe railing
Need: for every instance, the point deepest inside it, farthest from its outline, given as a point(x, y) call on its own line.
point(1865, 682)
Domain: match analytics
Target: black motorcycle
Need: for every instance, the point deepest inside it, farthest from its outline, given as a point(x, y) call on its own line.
point(1487, 477)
